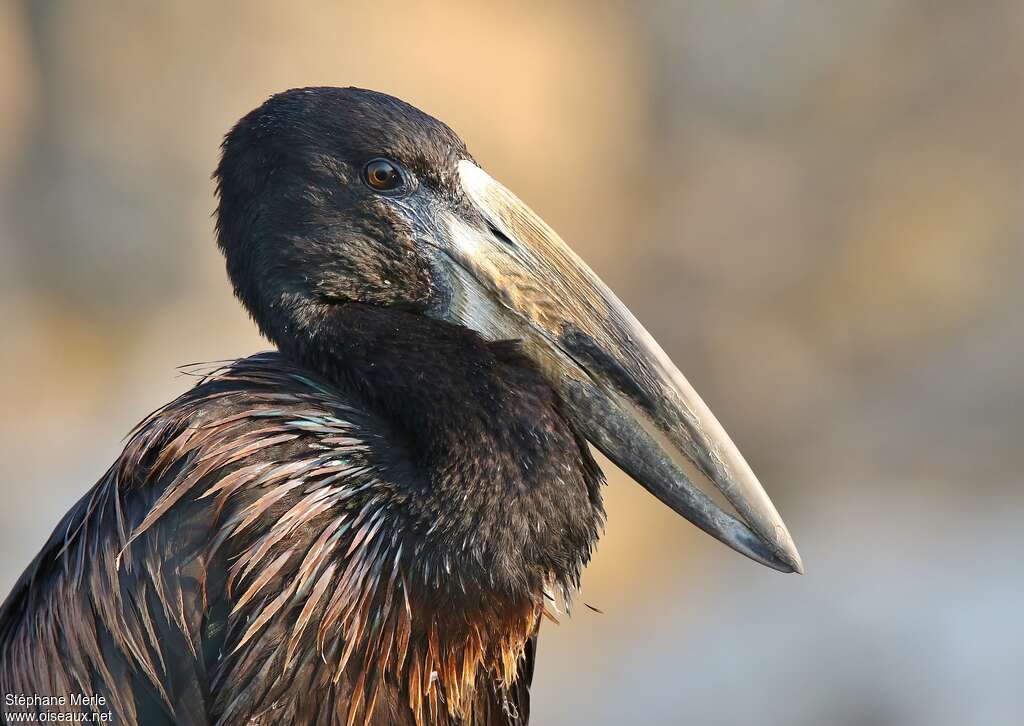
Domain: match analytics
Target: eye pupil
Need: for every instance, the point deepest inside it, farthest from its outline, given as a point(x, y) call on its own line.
point(382, 175)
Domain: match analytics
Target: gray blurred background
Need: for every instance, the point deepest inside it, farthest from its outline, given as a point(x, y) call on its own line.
point(816, 207)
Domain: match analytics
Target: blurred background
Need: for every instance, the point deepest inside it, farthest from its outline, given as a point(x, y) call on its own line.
point(817, 208)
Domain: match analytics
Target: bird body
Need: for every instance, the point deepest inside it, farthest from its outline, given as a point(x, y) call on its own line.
point(367, 525)
point(250, 555)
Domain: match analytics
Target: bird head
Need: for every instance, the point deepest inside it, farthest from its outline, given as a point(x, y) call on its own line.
point(331, 196)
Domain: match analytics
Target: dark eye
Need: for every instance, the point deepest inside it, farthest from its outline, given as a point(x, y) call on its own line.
point(382, 175)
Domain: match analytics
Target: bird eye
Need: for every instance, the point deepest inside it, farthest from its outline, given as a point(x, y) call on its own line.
point(382, 175)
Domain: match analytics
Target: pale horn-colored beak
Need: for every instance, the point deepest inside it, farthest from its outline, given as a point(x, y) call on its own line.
point(515, 278)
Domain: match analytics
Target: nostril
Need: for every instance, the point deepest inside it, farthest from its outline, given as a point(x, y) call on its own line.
point(499, 234)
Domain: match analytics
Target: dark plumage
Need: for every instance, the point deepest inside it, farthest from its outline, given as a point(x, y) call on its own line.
point(367, 526)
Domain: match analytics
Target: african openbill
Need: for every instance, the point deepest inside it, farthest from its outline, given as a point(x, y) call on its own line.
point(367, 525)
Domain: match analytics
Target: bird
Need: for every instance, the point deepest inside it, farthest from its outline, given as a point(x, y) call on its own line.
point(367, 524)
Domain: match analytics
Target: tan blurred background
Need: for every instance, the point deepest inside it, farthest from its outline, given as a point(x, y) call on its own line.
point(817, 208)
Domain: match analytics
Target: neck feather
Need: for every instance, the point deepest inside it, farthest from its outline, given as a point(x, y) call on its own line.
point(502, 484)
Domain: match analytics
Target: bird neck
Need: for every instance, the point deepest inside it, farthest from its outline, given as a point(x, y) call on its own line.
point(501, 487)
